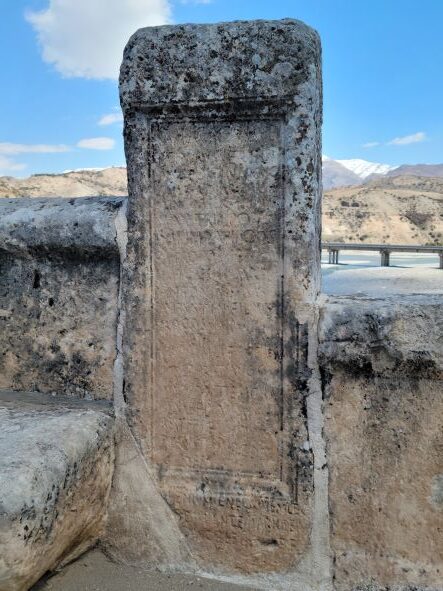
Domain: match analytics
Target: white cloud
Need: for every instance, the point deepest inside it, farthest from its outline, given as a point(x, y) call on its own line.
point(97, 143)
point(420, 136)
point(85, 38)
point(8, 149)
point(110, 119)
point(8, 165)
point(414, 138)
point(13, 149)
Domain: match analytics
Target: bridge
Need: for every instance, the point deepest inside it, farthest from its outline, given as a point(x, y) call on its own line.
point(385, 250)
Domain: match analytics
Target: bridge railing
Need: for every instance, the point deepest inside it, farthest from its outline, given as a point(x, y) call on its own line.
point(385, 250)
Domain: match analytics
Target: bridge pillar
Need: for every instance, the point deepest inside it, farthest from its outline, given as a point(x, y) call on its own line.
point(333, 257)
point(385, 258)
point(440, 255)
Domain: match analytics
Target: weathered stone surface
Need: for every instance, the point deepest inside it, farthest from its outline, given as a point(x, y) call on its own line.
point(79, 228)
point(222, 130)
point(137, 513)
point(382, 364)
point(59, 277)
point(55, 473)
point(400, 336)
point(251, 61)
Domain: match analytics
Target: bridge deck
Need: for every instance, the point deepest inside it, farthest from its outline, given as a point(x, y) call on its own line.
point(382, 247)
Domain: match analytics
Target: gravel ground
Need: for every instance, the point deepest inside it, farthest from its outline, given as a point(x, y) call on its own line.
point(94, 572)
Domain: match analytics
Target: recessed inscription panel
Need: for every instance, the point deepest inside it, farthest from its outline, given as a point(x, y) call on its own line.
point(217, 265)
point(226, 424)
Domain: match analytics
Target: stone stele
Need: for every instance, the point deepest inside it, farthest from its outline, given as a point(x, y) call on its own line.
point(222, 132)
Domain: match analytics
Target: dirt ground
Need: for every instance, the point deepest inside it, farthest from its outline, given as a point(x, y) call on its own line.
point(94, 572)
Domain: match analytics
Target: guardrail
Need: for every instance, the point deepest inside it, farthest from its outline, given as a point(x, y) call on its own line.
point(385, 250)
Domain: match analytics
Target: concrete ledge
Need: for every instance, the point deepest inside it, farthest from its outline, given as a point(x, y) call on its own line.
point(59, 227)
point(56, 466)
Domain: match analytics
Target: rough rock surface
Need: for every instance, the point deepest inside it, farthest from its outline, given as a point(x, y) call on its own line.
point(77, 228)
point(222, 131)
point(382, 363)
point(59, 277)
point(55, 474)
point(187, 64)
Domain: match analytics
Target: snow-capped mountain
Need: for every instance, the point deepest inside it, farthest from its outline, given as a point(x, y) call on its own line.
point(337, 175)
point(363, 168)
point(93, 169)
point(343, 173)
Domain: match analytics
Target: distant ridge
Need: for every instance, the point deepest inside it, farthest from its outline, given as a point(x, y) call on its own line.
point(432, 170)
point(76, 183)
point(382, 208)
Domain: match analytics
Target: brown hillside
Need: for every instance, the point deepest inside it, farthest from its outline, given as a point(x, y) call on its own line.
point(403, 209)
point(83, 183)
point(398, 210)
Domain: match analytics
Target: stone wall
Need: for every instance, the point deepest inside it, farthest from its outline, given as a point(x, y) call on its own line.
point(382, 363)
point(59, 267)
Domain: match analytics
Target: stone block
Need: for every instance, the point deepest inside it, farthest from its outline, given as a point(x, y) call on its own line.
point(77, 228)
point(382, 365)
point(59, 279)
point(222, 132)
point(56, 463)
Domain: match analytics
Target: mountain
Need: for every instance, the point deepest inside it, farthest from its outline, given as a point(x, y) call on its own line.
point(395, 209)
point(347, 173)
point(90, 181)
point(107, 181)
point(434, 170)
point(344, 173)
point(363, 169)
point(337, 175)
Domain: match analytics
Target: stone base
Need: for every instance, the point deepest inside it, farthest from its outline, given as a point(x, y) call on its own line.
point(56, 462)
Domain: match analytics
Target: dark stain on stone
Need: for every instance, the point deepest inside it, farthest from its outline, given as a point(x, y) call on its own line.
point(36, 281)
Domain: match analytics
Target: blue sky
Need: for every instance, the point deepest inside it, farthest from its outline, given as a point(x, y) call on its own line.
point(59, 101)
